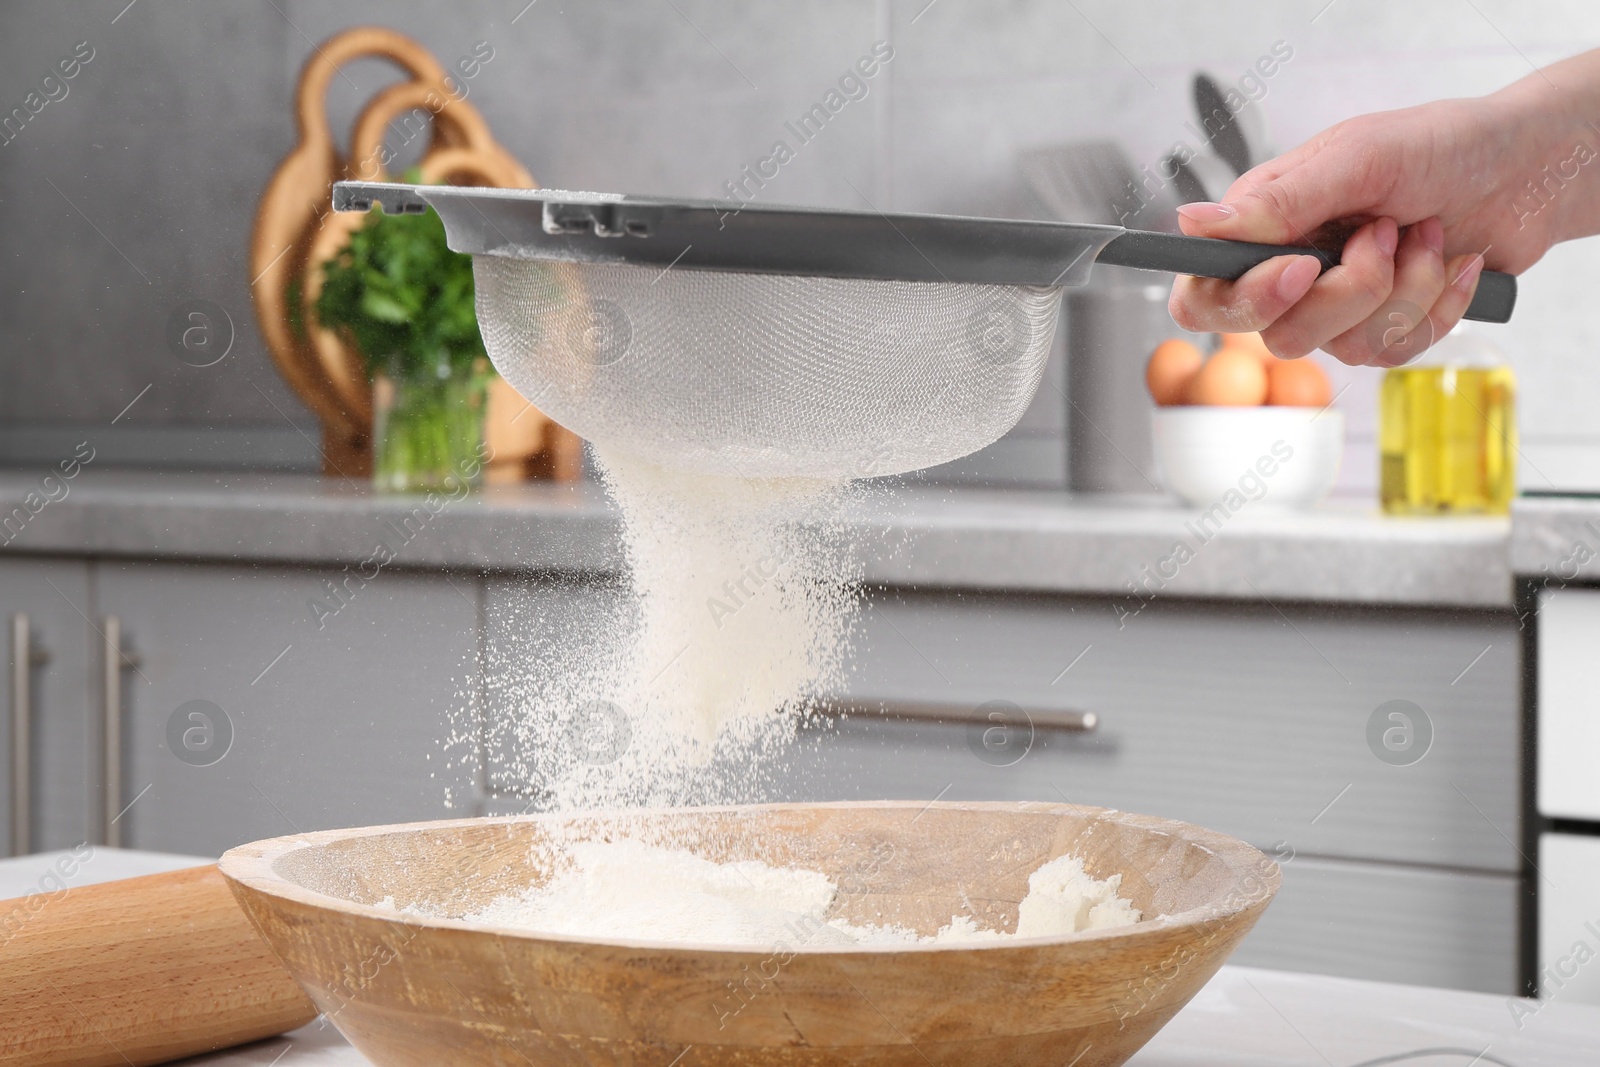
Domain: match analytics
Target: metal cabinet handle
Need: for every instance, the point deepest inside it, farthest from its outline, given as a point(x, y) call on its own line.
point(932, 711)
point(24, 658)
point(114, 660)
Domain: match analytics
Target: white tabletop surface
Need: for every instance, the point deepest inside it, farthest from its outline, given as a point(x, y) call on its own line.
point(90, 864)
point(1244, 1018)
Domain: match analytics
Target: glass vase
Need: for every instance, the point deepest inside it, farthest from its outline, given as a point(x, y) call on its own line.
point(428, 431)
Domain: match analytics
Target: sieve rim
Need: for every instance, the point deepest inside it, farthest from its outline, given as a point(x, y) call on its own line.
point(745, 238)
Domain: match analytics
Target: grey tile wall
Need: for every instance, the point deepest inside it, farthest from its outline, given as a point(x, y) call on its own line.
point(129, 196)
point(134, 193)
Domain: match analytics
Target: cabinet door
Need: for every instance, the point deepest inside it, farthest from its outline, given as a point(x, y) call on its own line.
point(1257, 723)
point(54, 595)
point(269, 701)
point(1569, 918)
point(1391, 923)
point(1568, 703)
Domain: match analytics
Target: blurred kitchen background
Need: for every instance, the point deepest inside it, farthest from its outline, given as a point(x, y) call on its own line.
point(1248, 690)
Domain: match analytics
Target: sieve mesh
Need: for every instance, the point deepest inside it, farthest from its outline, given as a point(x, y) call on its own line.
point(758, 375)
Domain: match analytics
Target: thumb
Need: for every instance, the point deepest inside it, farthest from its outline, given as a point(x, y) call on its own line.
point(1276, 204)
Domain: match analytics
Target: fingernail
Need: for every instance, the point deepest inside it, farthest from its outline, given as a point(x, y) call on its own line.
point(1469, 275)
point(1205, 211)
point(1297, 277)
point(1432, 232)
point(1387, 234)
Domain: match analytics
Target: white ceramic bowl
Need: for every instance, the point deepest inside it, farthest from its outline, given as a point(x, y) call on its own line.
point(1278, 457)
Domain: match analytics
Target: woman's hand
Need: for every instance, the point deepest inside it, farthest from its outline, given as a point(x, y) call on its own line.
point(1429, 196)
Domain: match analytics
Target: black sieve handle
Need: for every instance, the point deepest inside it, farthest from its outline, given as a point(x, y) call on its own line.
point(1207, 257)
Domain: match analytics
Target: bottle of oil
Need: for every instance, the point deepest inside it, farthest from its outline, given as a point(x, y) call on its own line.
point(1447, 431)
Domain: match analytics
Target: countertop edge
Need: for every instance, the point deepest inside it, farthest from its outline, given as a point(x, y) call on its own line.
point(1030, 543)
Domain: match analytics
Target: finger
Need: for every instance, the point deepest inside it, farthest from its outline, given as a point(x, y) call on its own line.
point(1282, 201)
point(1201, 218)
point(1446, 312)
point(1248, 304)
point(1400, 329)
point(1343, 297)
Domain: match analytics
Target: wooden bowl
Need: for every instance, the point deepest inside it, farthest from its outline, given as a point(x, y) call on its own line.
point(413, 991)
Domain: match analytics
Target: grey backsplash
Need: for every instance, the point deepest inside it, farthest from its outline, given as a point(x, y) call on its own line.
point(134, 194)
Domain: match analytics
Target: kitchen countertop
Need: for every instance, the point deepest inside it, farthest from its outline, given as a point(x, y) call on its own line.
point(1013, 540)
point(1244, 1018)
point(1557, 538)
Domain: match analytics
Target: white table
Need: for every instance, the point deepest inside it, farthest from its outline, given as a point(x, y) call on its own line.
point(30, 874)
point(1244, 1018)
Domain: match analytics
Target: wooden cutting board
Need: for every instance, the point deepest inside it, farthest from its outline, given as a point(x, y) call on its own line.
point(295, 230)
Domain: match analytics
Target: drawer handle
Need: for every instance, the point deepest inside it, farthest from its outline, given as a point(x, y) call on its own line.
point(1065, 721)
point(114, 660)
point(24, 658)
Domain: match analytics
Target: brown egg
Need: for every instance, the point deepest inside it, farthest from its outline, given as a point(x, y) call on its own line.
point(1298, 383)
point(1250, 342)
point(1172, 367)
point(1232, 377)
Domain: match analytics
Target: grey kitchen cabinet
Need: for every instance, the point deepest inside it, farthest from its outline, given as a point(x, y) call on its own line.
point(1251, 719)
point(253, 701)
point(1256, 720)
point(1390, 923)
point(1245, 718)
point(265, 701)
point(45, 610)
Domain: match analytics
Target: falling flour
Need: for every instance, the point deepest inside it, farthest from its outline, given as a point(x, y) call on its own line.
point(742, 605)
point(736, 611)
point(627, 890)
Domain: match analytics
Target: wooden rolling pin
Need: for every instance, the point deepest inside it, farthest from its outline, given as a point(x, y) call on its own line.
point(140, 971)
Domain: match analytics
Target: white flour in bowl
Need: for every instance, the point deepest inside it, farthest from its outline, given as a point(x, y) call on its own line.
point(627, 890)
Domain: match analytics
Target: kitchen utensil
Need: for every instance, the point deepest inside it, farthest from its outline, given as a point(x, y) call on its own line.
point(1185, 182)
point(1200, 176)
point(1237, 136)
point(1093, 181)
point(295, 198)
point(294, 232)
point(1215, 176)
point(473, 163)
point(1110, 332)
point(443, 990)
point(1273, 457)
point(1110, 323)
point(140, 971)
point(779, 341)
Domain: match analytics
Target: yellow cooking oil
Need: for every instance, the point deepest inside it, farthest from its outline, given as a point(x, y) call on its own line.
point(1447, 433)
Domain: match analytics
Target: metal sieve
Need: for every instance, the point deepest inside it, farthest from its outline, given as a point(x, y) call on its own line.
point(759, 341)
